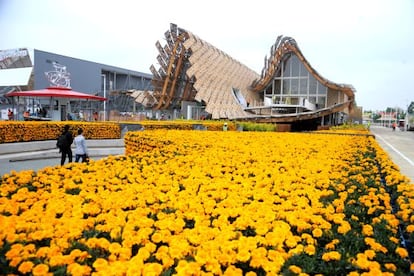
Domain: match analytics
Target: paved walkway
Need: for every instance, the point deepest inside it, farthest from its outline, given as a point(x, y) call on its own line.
point(400, 147)
point(40, 154)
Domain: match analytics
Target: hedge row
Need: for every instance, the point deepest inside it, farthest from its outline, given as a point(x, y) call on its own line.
point(11, 132)
point(21, 131)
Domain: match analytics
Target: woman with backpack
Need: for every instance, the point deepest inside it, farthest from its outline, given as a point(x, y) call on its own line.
point(64, 143)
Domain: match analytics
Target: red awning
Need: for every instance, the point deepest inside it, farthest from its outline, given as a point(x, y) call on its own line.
point(55, 92)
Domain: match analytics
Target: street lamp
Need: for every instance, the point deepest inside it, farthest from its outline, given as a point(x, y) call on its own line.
point(104, 91)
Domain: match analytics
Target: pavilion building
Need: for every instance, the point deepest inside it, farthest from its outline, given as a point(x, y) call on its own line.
point(203, 81)
point(194, 80)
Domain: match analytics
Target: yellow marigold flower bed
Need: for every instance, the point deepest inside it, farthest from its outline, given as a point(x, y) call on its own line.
point(347, 130)
point(184, 124)
point(212, 202)
point(21, 131)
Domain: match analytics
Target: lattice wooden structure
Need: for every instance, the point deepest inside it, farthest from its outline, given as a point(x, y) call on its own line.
point(191, 69)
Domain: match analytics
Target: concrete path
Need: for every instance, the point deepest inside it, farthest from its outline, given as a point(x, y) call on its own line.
point(40, 154)
point(400, 147)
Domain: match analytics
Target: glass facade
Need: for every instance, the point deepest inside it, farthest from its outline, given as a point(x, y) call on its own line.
point(294, 83)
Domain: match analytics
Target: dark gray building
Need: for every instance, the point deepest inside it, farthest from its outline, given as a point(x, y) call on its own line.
point(26, 69)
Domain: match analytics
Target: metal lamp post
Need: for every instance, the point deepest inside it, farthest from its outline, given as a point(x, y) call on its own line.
point(104, 91)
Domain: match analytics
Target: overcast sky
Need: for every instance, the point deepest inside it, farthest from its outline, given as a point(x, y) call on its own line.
point(369, 44)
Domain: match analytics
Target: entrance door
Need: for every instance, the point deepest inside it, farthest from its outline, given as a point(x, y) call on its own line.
point(63, 113)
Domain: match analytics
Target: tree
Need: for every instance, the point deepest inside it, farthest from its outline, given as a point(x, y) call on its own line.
point(410, 108)
point(375, 116)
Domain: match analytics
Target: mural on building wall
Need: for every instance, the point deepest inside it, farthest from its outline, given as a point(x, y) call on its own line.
point(58, 77)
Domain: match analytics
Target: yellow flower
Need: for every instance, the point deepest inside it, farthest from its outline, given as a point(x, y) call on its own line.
point(42, 252)
point(310, 249)
point(58, 260)
point(412, 267)
point(410, 228)
point(367, 230)
point(25, 267)
point(143, 253)
point(114, 248)
point(103, 243)
point(375, 246)
point(183, 268)
point(394, 240)
point(40, 269)
point(15, 251)
point(233, 271)
point(100, 264)
point(370, 254)
point(331, 256)
point(152, 269)
point(77, 269)
point(295, 269)
point(15, 261)
point(402, 252)
point(255, 261)
point(362, 261)
point(332, 244)
point(243, 255)
point(317, 232)
point(156, 237)
point(391, 267)
point(291, 242)
point(344, 227)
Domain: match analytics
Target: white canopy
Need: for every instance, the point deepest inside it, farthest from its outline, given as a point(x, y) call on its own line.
point(15, 76)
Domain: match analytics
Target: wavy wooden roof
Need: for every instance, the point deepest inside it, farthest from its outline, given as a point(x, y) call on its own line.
point(282, 47)
point(217, 75)
point(191, 69)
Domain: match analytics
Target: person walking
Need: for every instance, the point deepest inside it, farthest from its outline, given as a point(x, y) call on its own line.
point(81, 151)
point(81, 117)
point(10, 115)
point(95, 116)
point(65, 145)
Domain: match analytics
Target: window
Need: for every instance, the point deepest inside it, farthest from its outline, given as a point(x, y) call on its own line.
point(294, 86)
point(303, 86)
point(277, 74)
point(277, 87)
point(286, 87)
point(268, 90)
point(303, 71)
point(312, 100)
point(312, 85)
point(295, 64)
point(321, 89)
point(321, 102)
point(286, 68)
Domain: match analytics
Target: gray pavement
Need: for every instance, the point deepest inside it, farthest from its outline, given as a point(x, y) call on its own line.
point(40, 154)
point(399, 146)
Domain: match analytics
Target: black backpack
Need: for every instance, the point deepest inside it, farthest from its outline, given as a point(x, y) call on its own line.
point(62, 141)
